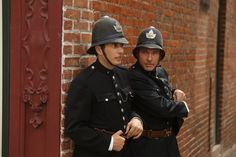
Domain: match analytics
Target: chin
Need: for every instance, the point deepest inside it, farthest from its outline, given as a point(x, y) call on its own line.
point(118, 62)
point(148, 68)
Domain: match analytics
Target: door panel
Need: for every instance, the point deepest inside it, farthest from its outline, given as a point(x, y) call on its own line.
point(35, 78)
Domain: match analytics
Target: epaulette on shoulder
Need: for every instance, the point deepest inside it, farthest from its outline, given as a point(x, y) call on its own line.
point(87, 72)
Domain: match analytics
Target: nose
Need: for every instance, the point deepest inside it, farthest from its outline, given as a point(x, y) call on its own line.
point(149, 57)
point(121, 50)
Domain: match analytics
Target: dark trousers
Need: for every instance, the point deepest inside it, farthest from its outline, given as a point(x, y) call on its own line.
point(147, 147)
point(80, 152)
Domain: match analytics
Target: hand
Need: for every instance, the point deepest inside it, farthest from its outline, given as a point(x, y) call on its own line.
point(134, 128)
point(119, 141)
point(179, 95)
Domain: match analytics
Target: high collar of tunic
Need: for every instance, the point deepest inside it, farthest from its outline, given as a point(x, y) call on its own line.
point(102, 68)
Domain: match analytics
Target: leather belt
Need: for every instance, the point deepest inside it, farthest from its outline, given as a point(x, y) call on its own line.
point(158, 134)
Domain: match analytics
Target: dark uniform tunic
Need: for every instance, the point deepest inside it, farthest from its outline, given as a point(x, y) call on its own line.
point(98, 99)
point(152, 101)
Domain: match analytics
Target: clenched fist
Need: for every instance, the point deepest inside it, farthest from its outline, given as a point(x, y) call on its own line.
point(134, 128)
point(179, 95)
point(119, 141)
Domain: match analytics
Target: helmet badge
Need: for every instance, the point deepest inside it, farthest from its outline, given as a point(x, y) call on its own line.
point(118, 27)
point(150, 34)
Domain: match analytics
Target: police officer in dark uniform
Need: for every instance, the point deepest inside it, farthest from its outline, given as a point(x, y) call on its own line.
point(162, 108)
point(98, 115)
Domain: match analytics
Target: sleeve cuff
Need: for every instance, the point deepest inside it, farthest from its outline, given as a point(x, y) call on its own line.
point(186, 106)
point(111, 144)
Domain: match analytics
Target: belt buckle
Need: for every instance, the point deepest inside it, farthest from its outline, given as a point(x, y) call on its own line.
point(168, 132)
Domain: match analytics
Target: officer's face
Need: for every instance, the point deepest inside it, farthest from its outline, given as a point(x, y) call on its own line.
point(114, 52)
point(148, 58)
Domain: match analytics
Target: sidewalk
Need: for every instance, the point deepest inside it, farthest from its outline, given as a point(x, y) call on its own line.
point(231, 152)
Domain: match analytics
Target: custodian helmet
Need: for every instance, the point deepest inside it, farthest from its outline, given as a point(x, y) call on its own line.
point(106, 30)
point(150, 38)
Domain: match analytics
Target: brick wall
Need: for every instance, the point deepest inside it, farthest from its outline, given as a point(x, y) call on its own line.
point(228, 134)
point(77, 21)
point(189, 29)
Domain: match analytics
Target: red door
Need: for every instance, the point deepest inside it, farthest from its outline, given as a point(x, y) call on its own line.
point(35, 78)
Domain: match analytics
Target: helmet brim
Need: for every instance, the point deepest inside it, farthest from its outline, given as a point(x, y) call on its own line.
point(121, 40)
point(150, 46)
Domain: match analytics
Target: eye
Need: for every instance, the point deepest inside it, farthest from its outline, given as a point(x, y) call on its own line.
point(154, 51)
point(117, 45)
point(144, 51)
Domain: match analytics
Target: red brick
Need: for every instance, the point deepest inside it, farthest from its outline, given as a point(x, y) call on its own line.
point(88, 15)
point(67, 74)
point(66, 145)
point(67, 25)
point(67, 2)
point(86, 38)
point(71, 62)
point(82, 26)
point(67, 49)
point(65, 87)
point(80, 49)
point(72, 14)
point(168, 12)
point(86, 61)
point(81, 3)
point(72, 37)
point(98, 5)
point(63, 99)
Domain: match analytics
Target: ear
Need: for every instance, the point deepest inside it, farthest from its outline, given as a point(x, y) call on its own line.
point(98, 50)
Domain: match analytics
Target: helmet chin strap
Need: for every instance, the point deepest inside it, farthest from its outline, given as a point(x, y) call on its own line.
point(105, 55)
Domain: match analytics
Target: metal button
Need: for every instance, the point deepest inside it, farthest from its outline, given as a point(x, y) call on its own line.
point(123, 118)
point(108, 72)
point(118, 93)
point(92, 67)
point(106, 99)
point(122, 110)
point(116, 85)
point(113, 77)
point(120, 102)
point(124, 126)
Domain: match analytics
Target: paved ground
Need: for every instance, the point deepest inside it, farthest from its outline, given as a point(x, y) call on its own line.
point(233, 154)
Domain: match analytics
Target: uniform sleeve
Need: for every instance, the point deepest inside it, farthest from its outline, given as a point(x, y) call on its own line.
point(77, 115)
point(148, 99)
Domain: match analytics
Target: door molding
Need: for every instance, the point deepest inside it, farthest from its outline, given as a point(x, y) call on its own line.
point(35, 80)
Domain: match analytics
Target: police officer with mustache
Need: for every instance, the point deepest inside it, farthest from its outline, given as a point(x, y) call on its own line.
point(162, 108)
